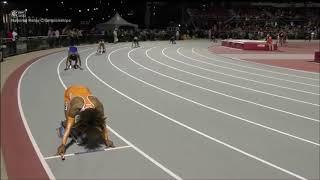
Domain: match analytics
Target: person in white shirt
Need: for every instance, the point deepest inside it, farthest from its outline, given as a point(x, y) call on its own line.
point(57, 38)
point(177, 34)
point(50, 37)
point(14, 35)
point(115, 35)
point(14, 40)
point(57, 33)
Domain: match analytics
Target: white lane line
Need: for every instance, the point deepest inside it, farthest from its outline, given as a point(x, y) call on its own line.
point(25, 123)
point(86, 152)
point(214, 109)
point(296, 82)
point(210, 90)
point(284, 87)
point(223, 82)
point(260, 64)
point(58, 68)
point(168, 171)
point(232, 48)
point(114, 132)
point(302, 77)
point(198, 132)
point(165, 169)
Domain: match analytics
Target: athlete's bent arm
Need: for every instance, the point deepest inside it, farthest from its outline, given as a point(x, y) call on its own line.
point(107, 141)
point(67, 62)
point(62, 147)
point(70, 113)
point(105, 134)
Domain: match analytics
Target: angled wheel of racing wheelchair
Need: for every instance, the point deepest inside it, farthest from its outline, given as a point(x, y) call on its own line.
point(73, 67)
point(73, 134)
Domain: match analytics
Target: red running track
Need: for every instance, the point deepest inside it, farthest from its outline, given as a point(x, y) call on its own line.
point(305, 65)
point(20, 157)
point(298, 64)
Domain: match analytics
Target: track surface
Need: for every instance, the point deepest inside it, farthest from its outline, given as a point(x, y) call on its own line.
point(175, 114)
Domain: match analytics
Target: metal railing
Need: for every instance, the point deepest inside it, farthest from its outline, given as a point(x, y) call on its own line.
point(10, 47)
point(29, 44)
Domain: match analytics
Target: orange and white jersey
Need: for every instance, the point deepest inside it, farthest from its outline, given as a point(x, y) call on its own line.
point(78, 91)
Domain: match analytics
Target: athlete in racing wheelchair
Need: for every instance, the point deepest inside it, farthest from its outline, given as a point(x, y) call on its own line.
point(73, 59)
point(101, 47)
point(85, 121)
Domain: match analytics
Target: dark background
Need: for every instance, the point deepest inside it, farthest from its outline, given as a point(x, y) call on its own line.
point(162, 12)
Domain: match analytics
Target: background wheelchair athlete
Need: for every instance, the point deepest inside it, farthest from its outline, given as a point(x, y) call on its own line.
point(73, 60)
point(101, 47)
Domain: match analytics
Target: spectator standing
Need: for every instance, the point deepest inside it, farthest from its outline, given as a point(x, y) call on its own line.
point(269, 42)
point(72, 37)
point(50, 37)
point(57, 37)
point(30, 33)
point(14, 40)
point(76, 36)
point(313, 35)
point(9, 41)
point(79, 34)
point(177, 34)
point(281, 38)
point(115, 35)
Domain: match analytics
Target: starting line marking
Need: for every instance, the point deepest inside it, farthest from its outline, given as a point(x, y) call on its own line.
point(85, 152)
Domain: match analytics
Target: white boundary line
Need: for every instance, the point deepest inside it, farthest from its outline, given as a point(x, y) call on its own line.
point(250, 62)
point(198, 132)
point(210, 90)
point(296, 82)
point(214, 109)
point(86, 152)
point(223, 82)
point(33, 141)
point(65, 87)
point(114, 132)
point(25, 123)
point(168, 171)
point(284, 87)
point(302, 77)
point(58, 70)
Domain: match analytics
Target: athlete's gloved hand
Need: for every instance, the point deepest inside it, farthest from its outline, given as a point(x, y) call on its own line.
point(61, 150)
point(109, 143)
